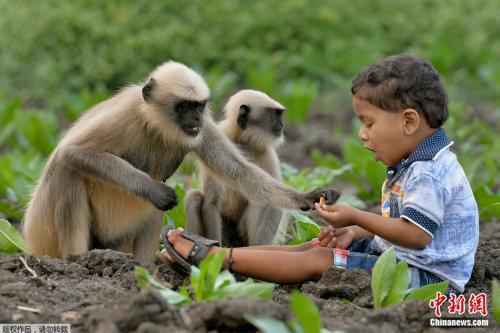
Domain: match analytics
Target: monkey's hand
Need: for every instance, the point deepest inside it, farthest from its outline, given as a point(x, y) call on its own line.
point(328, 194)
point(163, 196)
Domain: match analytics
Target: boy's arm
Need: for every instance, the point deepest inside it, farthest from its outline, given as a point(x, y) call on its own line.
point(396, 230)
point(360, 233)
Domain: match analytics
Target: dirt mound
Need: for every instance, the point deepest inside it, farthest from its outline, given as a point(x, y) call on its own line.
point(96, 292)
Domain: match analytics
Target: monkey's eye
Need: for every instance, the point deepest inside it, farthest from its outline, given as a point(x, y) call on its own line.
point(181, 107)
point(186, 106)
point(279, 112)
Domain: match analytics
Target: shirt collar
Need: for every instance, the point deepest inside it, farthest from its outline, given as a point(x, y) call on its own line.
point(426, 150)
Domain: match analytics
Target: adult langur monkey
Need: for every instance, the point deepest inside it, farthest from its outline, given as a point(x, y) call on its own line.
point(103, 184)
point(254, 122)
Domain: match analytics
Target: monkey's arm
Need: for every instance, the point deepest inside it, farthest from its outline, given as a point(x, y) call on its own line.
point(108, 167)
point(224, 160)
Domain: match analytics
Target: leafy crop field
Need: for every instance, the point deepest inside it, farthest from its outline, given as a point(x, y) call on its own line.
point(60, 58)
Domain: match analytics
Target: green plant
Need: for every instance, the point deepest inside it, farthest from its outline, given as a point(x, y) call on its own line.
point(11, 240)
point(495, 291)
point(307, 318)
point(75, 104)
point(390, 282)
point(362, 170)
point(488, 202)
point(177, 215)
point(308, 179)
point(144, 280)
point(303, 229)
point(207, 283)
point(27, 130)
point(18, 173)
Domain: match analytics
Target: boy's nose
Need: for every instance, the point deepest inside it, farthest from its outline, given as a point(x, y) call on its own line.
point(362, 134)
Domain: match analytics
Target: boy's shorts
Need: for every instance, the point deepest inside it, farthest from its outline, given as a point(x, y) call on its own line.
point(362, 255)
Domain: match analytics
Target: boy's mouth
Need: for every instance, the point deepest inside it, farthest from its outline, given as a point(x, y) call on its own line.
point(370, 149)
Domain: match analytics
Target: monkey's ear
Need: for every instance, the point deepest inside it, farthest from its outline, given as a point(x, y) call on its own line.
point(148, 89)
point(243, 116)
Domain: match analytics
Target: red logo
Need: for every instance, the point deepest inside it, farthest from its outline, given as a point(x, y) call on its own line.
point(456, 304)
point(477, 303)
point(437, 302)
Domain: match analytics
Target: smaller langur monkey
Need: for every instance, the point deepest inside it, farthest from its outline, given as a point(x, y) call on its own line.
point(254, 122)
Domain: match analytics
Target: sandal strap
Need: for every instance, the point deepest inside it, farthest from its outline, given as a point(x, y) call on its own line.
point(200, 239)
point(198, 252)
point(200, 249)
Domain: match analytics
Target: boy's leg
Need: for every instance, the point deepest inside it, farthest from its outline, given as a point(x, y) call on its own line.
point(288, 248)
point(269, 265)
point(359, 255)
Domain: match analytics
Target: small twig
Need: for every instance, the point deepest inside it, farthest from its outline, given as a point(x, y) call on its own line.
point(28, 267)
point(25, 308)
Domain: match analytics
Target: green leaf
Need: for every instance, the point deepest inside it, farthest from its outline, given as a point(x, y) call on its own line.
point(496, 300)
point(173, 297)
point(488, 202)
point(329, 161)
point(306, 312)
point(295, 326)
point(427, 292)
point(383, 277)
point(298, 97)
point(267, 325)
point(178, 214)
point(11, 240)
point(367, 174)
point(203, 279)
point(305, 228)
point(400, 285)
point(144, 280)
point(223, 279)
point(248, 288)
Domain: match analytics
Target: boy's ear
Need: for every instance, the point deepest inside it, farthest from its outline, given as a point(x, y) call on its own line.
point(411, 121)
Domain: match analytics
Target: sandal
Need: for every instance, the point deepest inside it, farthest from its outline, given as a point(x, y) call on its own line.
point(198, 252)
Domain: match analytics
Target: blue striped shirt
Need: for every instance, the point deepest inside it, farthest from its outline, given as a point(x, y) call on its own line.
point(430, 190)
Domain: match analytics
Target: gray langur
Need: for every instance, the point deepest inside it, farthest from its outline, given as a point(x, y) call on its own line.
point(103, 183)
point(254, 122)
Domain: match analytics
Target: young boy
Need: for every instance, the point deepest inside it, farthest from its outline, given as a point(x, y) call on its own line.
point(429, 213)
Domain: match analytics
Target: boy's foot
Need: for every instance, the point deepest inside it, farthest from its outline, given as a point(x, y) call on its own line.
point(184, 247)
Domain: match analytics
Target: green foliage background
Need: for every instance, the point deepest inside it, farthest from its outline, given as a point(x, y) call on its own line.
point(60, 57)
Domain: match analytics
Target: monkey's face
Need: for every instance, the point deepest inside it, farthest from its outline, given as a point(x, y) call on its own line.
point(177, 97)
point(188, 116)
point(276, 121)
point(266, 120)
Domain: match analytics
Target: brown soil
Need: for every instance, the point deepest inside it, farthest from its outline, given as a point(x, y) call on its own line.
point(96, 292)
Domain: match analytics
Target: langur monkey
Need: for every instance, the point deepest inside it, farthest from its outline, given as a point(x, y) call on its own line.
point(253, 121)
point(103, 183)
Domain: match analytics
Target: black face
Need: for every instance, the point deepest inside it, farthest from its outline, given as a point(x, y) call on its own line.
point(270, 119)
point(189, 116)
point(277, 121)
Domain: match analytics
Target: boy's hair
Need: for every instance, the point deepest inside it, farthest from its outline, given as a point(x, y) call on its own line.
point(403, 81)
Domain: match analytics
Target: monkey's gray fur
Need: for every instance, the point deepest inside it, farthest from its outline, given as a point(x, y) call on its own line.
point(253, 121)
point(103, 184)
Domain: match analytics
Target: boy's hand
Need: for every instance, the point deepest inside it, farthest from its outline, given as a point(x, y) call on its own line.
point(335, 238)
point(337, 215)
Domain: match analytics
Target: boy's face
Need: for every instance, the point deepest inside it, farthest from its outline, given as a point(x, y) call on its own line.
point(381, 132)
